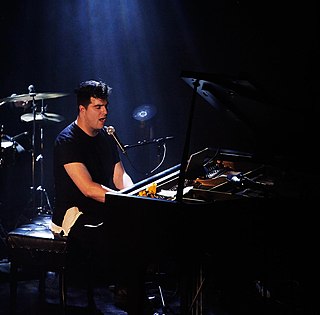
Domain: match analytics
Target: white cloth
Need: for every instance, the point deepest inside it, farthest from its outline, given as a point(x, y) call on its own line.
point(70, 217)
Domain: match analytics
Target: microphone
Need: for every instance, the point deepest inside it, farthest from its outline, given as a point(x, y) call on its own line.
point(31, 90)
point(112, 132)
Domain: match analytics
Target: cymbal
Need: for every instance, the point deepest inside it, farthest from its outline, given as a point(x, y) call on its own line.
point(144, 112)
point(27, 97)
point(42, 117)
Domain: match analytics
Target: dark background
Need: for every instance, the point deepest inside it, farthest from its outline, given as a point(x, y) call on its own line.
point(140, 48)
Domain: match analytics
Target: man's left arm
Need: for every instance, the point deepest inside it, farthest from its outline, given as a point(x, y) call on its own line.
point(121, 178)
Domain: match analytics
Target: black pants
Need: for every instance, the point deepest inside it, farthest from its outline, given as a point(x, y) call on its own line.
point(114, 256)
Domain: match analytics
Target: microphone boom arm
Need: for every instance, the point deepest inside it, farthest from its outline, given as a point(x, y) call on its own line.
point(158, 141)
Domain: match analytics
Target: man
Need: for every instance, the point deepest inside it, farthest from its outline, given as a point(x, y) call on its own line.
point(86, 167)
point(86, 161)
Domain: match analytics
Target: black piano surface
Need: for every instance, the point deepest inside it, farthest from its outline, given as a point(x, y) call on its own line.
point(244, 218)
point(240, 220)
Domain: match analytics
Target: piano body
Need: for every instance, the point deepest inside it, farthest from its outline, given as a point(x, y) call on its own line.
point(226, 218)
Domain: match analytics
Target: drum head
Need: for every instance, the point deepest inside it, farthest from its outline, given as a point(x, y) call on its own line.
point(6, 143)
point(8, 151)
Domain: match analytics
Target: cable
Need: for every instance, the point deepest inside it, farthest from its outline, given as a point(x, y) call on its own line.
point(163, 157)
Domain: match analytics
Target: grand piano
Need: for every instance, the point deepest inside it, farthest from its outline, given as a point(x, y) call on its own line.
point(227, 218)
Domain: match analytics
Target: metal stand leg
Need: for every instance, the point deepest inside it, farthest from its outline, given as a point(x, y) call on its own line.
point(163, 307)
point(158, 299)
point(63, 291)
point(45, 206)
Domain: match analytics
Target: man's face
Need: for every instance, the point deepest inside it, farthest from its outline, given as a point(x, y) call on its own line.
point(95, 114)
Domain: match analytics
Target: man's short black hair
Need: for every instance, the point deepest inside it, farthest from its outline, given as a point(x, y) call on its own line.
point(91, 88)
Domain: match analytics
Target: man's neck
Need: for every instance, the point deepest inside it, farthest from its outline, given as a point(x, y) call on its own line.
point(89, 131)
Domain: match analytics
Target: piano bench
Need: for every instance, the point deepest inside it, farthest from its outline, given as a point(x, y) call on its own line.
point(35, 247)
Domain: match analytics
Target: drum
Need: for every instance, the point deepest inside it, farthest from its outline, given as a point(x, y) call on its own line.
point(8, 151)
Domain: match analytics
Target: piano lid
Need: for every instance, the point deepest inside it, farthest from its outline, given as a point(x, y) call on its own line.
point(212, 85)
point(261, 123)
point(230, 95)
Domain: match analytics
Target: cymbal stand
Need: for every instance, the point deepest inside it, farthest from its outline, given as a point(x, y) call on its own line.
point(34, 107)
point(43, 193)
point(1, 150)
point(40, 188)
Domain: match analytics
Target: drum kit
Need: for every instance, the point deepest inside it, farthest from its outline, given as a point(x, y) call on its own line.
point(10, 147)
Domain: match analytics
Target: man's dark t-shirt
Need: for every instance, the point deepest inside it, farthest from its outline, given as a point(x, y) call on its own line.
point(99, 154)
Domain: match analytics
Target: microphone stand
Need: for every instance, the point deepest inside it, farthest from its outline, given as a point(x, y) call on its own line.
point(160, 142)
point(144, 142)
